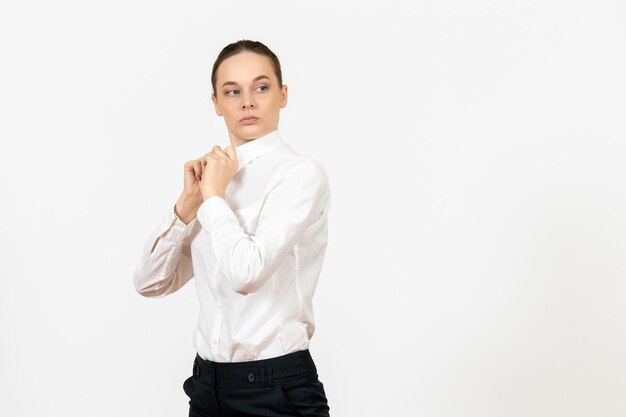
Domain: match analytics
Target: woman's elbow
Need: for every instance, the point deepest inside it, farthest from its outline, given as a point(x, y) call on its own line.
point(246, 277)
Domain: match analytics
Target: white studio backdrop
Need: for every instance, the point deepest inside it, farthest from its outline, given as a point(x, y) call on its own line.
point(476, 151)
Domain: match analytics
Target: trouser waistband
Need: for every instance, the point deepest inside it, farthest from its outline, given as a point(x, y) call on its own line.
point(258, 373)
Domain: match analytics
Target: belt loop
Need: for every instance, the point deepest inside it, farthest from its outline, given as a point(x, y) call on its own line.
point(196, 368)
point(270, 377)
point(262, 375)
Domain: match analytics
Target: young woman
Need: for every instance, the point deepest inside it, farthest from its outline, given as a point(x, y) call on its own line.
point(251, 227)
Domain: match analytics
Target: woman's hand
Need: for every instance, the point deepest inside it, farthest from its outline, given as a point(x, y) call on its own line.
point(190, 199)
point(192, 176)
point(218, 168)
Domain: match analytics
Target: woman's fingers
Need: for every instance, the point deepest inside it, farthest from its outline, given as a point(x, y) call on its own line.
point(216, 155)
point(219, 152)
point(197, 166)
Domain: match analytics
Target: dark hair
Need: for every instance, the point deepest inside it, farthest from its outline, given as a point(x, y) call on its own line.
point(243, 46)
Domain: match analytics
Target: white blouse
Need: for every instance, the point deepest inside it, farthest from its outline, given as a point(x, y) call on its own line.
point(256, 255)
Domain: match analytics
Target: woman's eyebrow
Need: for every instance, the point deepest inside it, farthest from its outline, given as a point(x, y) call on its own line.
point(260, 77)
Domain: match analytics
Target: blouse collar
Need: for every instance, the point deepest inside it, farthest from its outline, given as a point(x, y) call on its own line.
point(253, 149)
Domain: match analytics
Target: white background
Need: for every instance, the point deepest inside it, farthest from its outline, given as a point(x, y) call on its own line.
point(476, 153)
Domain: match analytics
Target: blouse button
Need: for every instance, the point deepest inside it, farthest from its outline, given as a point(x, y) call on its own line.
point(251, 377)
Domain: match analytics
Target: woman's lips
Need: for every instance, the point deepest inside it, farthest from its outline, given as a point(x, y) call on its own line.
point(249, 120)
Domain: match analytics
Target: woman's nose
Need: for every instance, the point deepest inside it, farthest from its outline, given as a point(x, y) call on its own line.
point(247, 101)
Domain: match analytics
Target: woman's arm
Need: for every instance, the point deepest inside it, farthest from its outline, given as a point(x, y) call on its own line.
point(296, 201)
point(165, 263)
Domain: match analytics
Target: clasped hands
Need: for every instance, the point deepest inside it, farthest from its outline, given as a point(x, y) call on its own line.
point(210, 174)
point(218, 168)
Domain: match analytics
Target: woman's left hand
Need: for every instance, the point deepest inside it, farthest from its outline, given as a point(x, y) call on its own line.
point(219, 167)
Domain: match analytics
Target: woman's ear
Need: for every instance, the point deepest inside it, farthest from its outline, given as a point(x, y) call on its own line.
point(283, 96)
point(217, 106)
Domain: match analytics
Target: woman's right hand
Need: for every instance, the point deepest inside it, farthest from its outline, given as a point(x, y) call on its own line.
point(191, 197)
point(192, 177)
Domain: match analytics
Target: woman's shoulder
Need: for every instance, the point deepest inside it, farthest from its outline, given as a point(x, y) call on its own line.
point(302, 165)
point(293, 158)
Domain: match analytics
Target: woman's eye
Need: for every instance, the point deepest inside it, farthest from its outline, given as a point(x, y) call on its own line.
point(228, 93)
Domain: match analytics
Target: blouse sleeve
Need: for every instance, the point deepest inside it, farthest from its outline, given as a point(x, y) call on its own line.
point(296, 201)
point(165, 262)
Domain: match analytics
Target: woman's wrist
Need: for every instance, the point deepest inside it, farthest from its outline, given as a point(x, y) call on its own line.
point(186, 208)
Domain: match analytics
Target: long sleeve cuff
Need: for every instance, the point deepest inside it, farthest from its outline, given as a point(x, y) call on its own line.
point(173, 228)
point(214, 209)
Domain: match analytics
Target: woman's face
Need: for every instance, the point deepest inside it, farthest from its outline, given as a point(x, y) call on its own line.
point(246, 85)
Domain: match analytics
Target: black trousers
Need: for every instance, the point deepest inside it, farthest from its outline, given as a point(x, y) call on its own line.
point(283, 386)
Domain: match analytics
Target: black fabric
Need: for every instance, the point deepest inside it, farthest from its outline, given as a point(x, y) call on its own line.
point(283, 386)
